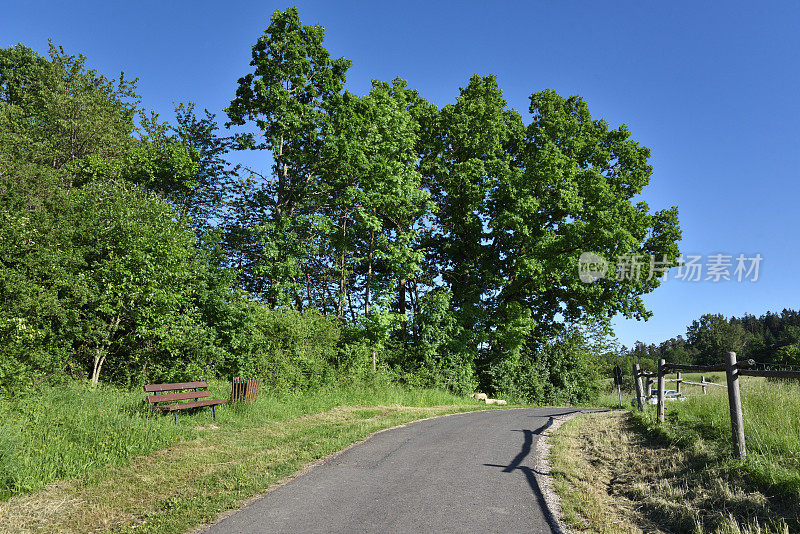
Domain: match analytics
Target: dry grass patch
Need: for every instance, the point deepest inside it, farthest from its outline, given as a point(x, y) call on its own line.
point(192, 482)
point(614, 478)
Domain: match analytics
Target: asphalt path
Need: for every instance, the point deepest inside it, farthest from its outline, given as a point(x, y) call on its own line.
point(470, 472)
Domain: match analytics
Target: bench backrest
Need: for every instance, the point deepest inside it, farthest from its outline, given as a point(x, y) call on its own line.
point(178, 387)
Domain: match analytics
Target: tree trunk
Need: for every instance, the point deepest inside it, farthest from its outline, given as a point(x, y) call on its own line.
point(342, 287)
point(99, 358)
point(369, 272)
point(401, 301)
point(282, 175)
point(416, 310)
point(308, 288)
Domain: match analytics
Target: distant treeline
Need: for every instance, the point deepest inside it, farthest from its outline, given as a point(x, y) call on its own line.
point(441, 243)
point(773, 338)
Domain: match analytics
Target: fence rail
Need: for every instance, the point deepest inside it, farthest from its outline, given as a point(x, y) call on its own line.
point(733, 370)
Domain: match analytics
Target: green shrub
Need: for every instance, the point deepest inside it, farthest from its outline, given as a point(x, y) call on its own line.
point(441, 355)
point(556, 372)
point(286, 349)
point(109, 289)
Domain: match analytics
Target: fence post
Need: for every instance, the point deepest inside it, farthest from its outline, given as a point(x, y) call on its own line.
point(735, 402)
point(661, 392)
point(679, 382)
point(703, 381)
point(637, 380)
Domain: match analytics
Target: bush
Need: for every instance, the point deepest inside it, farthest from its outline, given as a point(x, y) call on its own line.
point(286, 349)
point(106, 286)
point(441, 356)
point(556, 372)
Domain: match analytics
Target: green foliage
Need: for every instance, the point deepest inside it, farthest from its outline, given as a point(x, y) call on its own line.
point(287, 349)
point(98, 275)
point(441, 244)
point(557, 372)
point(773, 338)
point(54, 112)
point(441, 355)
point(712, 336)
point(288, 96)
point(377, 203)
point(518, 205)
point(109, 286)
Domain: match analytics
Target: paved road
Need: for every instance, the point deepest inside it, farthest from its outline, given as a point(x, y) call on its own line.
point(470, 472)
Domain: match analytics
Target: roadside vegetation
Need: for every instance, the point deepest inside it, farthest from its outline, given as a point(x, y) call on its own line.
point(78, 459)
point(386, 258)
point(378, 229)
point(621, 472)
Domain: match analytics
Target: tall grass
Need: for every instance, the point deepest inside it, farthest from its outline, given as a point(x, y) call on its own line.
point(772, 429)
point(72, 431)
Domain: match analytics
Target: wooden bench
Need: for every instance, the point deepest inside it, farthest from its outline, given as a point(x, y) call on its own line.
point(181, 395)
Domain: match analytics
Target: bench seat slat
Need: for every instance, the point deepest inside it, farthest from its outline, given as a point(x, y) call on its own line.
point(187, 405)
point(152, 388)
point(178, 396)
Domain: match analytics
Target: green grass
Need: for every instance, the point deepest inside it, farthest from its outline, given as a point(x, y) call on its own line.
point(772, 429)
point(614, 478)
point(196, 469)
point(691, 455)
point(72, 431)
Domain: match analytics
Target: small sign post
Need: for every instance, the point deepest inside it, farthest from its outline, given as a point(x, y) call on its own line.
point(618, 382)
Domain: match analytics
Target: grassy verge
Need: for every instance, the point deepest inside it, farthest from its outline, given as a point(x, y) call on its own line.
point(772, 429)
point(125, 470)
point(583, 456)
point(618, 472)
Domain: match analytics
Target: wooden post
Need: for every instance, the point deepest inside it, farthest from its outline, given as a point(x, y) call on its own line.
point(637, 380)
point(374, 361)
point(661, 391)
point(703, 381)
point(735, 402)
point(679, 382)
point(648, 387)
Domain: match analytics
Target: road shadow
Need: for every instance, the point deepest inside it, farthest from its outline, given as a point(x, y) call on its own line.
point(531, 474)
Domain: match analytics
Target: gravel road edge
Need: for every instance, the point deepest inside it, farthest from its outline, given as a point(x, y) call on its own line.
point(542, 472)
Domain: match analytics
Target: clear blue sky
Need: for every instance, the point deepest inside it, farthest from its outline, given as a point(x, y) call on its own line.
point(712, 90)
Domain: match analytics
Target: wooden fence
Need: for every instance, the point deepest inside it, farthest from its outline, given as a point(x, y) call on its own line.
point(733, 370)
point(679, 381)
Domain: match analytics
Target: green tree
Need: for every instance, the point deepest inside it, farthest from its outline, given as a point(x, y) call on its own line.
point(288, 96)
point(374, 197)
point(574, 193)
point(468, 152)
point(99, 278)
point(55, 112)
point(713, 335)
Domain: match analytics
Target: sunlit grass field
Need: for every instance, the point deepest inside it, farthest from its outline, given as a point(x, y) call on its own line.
point(622, 472)
point(772, 428)
point(73, 431)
